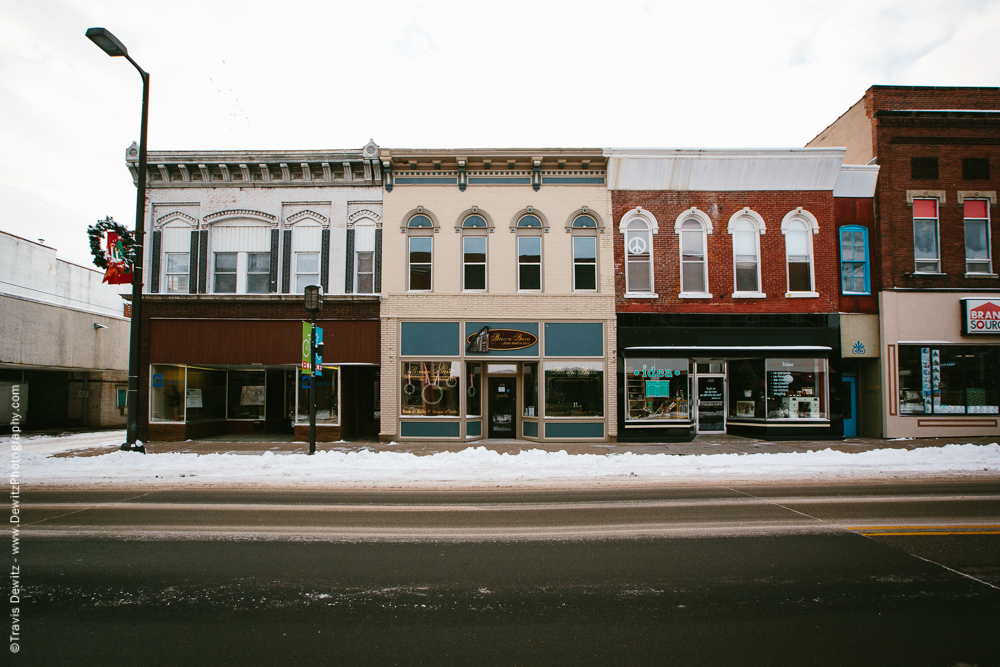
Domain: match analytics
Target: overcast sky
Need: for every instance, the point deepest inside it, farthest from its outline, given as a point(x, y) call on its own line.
point(324, 75)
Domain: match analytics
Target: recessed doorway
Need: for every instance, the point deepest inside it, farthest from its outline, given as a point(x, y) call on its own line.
point(502, 406)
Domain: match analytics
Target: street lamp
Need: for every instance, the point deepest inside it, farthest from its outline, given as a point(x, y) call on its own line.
point(313, 303)
point(110, 45)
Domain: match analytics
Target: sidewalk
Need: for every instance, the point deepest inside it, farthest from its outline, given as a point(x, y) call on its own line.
point(702, 444)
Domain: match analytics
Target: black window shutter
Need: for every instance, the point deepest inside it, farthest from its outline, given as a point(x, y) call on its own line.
point(378, 261)
point(286, 262)
point(203, 263)
point(272, 285)
point(154, 278)
point(349, 263)
point(324, 262)
point(193, 264)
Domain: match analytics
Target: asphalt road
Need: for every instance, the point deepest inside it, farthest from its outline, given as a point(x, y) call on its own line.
point(868, 575)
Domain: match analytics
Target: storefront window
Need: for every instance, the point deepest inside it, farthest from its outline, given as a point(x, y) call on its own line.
point(166, 394)
point(746, 389)
point(796, 389)
point(474, 391)
point(657, 390)
point(574, 389)
point(206, 394)
point(531, 390)
point(246, 394)
point(430, 388)
point(953, 379)
point(327, 399)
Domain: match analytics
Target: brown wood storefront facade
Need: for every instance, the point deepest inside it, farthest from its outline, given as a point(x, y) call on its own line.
point(214, 365)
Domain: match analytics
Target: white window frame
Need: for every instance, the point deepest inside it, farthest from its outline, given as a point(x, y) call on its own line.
point(482, 231)
point(937, 237)
point(168, 273)
point(760, 228)
point(530, 232)
point(807, 220)
point(989, 238)
point(359, 225)
point(257, 273)
point(427, 232)
point(652, 227)
point(296, 273)
point(484, 263)
point(700, 218)
point(235, 272)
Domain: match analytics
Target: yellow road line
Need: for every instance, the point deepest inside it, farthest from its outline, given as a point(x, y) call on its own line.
point(960, 532)
point(987, 526)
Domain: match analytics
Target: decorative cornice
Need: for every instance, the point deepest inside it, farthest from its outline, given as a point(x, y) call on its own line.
point(364, 213)
point(240, 213)
point(174, 215)
point(295, 217)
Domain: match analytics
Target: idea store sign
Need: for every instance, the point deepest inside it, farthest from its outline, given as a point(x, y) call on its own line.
point(981, 316)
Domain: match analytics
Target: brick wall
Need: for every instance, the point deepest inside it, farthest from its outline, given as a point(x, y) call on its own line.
point(861, 211)
point(949, 139)
point(666, 206)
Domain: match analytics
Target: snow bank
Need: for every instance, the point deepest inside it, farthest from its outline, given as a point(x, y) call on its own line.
point(474, 466)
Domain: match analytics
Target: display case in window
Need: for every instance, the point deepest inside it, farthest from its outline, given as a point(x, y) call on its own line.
point(796, 389)
point(657, 390)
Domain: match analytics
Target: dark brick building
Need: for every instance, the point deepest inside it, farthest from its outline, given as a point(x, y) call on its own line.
point(938, 149)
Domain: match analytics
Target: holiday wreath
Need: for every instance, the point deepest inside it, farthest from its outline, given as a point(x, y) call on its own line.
point(116, 254)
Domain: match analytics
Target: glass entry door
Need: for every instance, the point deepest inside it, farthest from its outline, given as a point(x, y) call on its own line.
point(711, 403)
point(502, 407)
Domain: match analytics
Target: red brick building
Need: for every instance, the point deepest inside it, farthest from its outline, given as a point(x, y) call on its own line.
point(731, 286)
point(938, 150)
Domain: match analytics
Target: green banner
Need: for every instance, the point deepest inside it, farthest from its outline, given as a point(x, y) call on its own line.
point(306, 348)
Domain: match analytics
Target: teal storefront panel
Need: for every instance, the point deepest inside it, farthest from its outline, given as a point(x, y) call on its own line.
point(574, 430)
point(473, 428)
point(429, 429)
point(530, 429)
point(430, 339)
point(584, 339)
point(528, 327)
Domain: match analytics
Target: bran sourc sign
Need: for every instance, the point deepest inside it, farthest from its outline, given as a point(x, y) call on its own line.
point(981, 316)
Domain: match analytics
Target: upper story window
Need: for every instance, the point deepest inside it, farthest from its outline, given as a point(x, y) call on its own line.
point(306, 270)
point(855, 275)
point(798, 227)
point(178, 271)
point(474, 229)
point(529, 230)
point(225, 272)
point(975, 168)
point(638, 227)
point(746, 228)
point(977, 236)
point(693, 227)
point(364, 255)
point(924, 168)
point(584, 231)
point(258, 272)
point(926, 248)
point(420, 227)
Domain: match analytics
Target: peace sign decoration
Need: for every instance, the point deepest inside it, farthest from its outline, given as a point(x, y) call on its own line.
point(636, 245)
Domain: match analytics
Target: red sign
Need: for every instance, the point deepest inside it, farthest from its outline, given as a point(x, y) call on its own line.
point(982, 316)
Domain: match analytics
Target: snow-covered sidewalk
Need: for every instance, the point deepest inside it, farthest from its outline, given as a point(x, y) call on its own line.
point(475, 466)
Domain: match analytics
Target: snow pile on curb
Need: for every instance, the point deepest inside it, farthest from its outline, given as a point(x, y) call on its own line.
point(475, 465)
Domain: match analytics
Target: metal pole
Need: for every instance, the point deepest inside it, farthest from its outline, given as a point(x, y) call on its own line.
point(135, 324)
point(312, 387)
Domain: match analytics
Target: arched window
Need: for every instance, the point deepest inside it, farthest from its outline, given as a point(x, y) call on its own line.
point(798, 228)
point(474, 241)
point(694, 267)
point(693, 227)
point(746, 228)
point(638, 253)
point(529, 254)
point(584, 231)
point(420, 228)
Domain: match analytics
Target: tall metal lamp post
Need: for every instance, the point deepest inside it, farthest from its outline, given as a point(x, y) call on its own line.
point(313, 304)
point(110, 45)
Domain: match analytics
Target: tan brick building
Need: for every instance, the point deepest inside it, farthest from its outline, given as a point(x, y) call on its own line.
point(498, 310)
